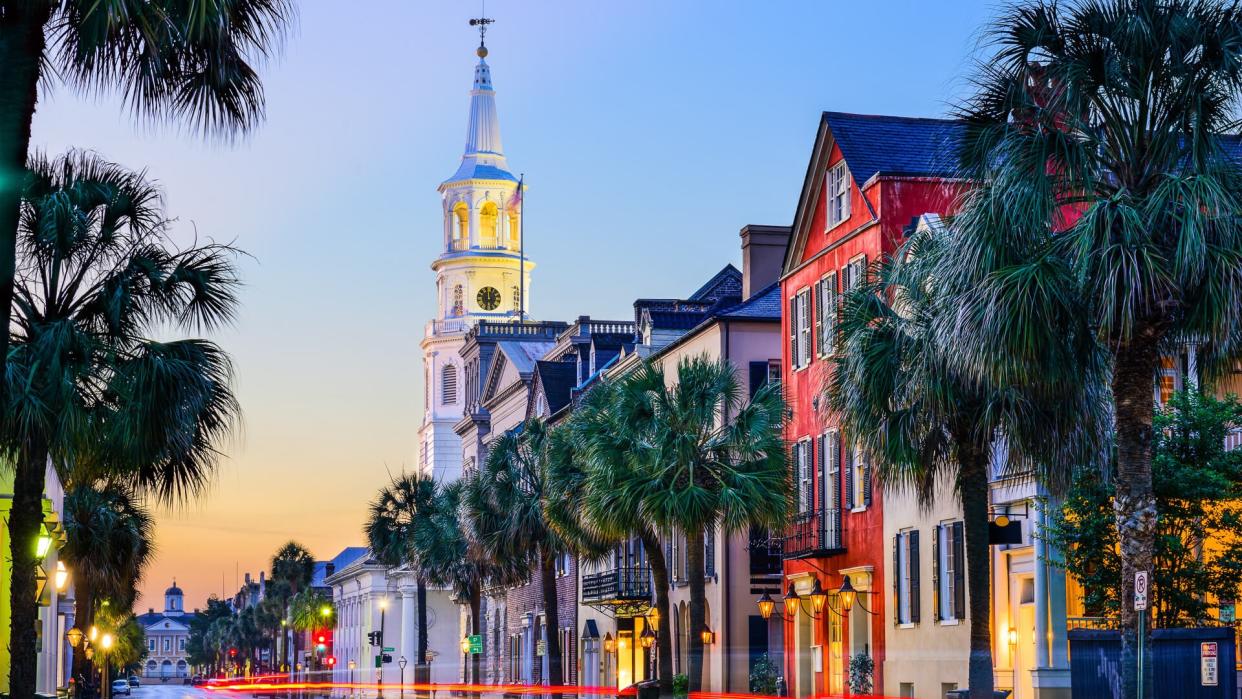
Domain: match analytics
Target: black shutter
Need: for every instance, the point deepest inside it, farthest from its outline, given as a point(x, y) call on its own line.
point(793, 331)
point(817, 312)
point(914, 577)
point(709, 551)
point(866, 457)
point(896, 580)
point(936, 573)
point(758, 377)
point(836, 488)
point(959, 572)
point(849, 476)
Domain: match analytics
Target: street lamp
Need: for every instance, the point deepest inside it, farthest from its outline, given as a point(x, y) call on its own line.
point(93, 633)
point(818, 599)
point(61, 576)
point(325, 611)
point(74, 636)
point(708, 636)
point(610, 643)
point(653, 618)
point(465, 644)
point(105, 643)
point(401, 664)
point(43, 544)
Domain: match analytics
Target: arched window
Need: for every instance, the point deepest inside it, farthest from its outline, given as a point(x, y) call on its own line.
point(488, 221)
point(459, 300)
point(515, 239)
point(461, 226)
point(448, 384)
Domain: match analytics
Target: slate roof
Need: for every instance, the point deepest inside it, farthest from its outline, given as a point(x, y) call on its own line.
point(150, 618)
point(342, 559)
point(763, 305)
point(676, 320)
point(558, 380)
point(523, 355)
point(726, 282)
point(894, 145)
point(470, 170)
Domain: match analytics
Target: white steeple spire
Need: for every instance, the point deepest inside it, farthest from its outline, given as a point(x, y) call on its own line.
point(484, 156)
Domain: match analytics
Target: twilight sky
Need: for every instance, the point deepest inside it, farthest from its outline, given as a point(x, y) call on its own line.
point(649, 132)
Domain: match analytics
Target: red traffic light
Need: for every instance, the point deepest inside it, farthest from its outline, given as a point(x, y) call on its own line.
point(330, 660)
point(233, 652)
point(322, 638)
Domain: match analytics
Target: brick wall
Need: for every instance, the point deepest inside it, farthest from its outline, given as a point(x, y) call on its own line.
point(528, 599)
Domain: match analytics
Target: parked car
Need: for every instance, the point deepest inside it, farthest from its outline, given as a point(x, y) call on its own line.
point(121, 687)
point(198, 680)
point(133, 681)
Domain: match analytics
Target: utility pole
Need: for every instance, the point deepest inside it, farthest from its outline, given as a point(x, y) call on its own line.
point(379, 658)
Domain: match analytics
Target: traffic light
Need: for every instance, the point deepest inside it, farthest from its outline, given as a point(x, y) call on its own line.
point(232, 652)
point(374, 638)
point(330, 660)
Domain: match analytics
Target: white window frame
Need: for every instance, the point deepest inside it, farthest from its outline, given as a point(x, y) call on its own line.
point(803, 459)
point(859, 467)
point(854, 272)
point(830, 484)
point(837, 195)
point(800, 329)
point(827, 297)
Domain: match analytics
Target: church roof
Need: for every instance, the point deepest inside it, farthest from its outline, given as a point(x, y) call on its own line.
point(483, 158)
point(174, 590)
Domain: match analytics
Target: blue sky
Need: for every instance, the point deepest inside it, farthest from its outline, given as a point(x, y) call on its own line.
point(649, 132)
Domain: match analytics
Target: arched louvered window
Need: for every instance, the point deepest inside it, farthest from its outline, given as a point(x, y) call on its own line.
point(448, 384)
point(459, 300)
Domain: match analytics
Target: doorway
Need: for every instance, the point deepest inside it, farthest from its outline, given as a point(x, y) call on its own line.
point(1024, 618)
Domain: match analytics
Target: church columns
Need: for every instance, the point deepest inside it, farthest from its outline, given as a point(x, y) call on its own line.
point(409, 622)
point(475, 207)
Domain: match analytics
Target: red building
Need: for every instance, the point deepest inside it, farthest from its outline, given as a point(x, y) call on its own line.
point(868, 178)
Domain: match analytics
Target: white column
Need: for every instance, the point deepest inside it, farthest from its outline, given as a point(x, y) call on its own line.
point(474, 224)
point(409, 622)
point(1041, 588)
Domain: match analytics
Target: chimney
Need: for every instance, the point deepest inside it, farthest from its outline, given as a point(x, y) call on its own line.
point(763, 256)
point(150, 610)
point(329, 569)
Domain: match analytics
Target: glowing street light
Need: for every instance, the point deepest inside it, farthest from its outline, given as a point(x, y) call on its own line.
point(61, 577)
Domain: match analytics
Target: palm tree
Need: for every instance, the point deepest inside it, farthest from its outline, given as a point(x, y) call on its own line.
point(292, 569)
point(598, 465)
point(397, 510)
point(169, 60)
point(706, 459)
point(1104, 206)
point(504, 504)
point(85, 385)
point(901, 397)
point(108, 544)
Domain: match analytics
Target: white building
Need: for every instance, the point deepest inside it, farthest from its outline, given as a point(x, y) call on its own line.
point(480, 273)
point(167, 633)
point(370, 597)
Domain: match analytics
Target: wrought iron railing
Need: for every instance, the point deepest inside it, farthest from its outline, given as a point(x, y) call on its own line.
point(813, 533)
point(630, 583)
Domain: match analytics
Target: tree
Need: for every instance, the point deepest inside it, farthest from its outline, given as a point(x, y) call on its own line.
point(85, 386)
point(601, 446)
point(706, 459)
point(129, 641)
point(169, 60)
point(901, 397)
point(199, 647)
point(108, 545)
point(504, 503)
point(1198, 489)
point(405, 504)
point(1105, 196)
point(309, 610)
point(292, 569)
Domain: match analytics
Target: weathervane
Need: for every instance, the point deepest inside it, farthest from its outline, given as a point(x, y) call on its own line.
point(482, 23)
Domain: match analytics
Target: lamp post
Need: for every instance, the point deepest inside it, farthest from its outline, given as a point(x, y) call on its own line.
point(648, 640)
point(401, 663)
point(379, 666)
point(352, 665)
point(105, 643)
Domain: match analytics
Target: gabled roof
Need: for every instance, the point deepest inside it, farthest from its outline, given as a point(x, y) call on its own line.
point(764, 305)
point(555, 381)
point(872, 145)
point(726, 282)
point(912, 146)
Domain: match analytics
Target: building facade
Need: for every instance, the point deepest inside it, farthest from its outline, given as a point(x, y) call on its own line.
point(167, 633)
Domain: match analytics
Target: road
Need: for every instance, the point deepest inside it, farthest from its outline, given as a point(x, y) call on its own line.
point(174, 691)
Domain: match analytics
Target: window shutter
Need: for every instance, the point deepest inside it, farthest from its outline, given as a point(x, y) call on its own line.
point(896, 579)
point(866, 484)
point(845, 186)
point(808, 498)
point(829, 312)
point(820, 461)
point(819, 326)
point(806, 327)
point(936, 573)
point(849, 476)
point(758, 376)
point(959, 572)
point(709, 551)
point(793, 330)
point(914, 576)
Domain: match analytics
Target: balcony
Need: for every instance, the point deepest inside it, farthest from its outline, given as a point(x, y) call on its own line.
point(621, 591)
point(466, 246)
point(445, 327)
point(814, 534)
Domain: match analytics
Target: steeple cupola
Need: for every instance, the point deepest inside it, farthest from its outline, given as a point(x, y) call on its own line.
point(173, 600)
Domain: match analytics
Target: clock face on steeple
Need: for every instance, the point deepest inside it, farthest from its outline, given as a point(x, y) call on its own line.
point(488, 298)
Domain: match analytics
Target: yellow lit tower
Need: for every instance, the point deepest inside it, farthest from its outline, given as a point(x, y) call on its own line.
point(480, 272)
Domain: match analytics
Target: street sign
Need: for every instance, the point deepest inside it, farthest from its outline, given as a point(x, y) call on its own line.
point(389, 649)
point(1209, 664)
point(541, 648)
point(1140, 590)
point(476, 644)
point(379, 661)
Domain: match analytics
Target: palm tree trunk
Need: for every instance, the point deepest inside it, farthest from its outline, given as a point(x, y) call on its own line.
point(476, 625)
point(659, 578)
point(551, 616)
point(22, 43)
point(1134, 504)
point(25, 519)
point(974, 491)
point(698, 606)
point(83, 617)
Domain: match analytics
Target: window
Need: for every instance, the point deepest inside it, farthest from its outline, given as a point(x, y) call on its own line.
point(167, 645)
point(459, 300)
point(854, 273)
point(858, 479)
point(830, 477)
point(181, 644)
point(562, 565)
point(838, 194)
point(517, 300)
point(949, 572)
point(800, 329)
point(774, 371)
point(151, 645)
point(802, 464)
point(826, 314)
point(906, 577)
point(448, 384)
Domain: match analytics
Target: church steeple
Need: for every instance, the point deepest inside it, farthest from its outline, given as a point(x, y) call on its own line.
point(484, 156)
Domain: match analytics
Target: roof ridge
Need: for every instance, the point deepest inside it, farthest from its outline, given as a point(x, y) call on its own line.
point(895, 117)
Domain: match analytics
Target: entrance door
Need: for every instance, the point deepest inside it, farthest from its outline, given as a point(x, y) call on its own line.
point(836, 648)
point(806, 671)
point(1026, 652)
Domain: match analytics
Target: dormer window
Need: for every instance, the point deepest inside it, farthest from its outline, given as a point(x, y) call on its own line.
point(838, 194)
